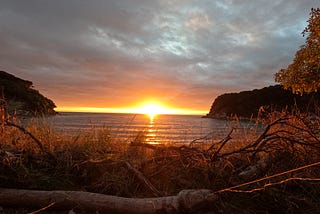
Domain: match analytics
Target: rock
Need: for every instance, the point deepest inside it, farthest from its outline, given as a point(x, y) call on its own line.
point(21, 98)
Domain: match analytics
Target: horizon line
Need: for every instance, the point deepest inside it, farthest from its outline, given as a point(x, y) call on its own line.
point(127, 111)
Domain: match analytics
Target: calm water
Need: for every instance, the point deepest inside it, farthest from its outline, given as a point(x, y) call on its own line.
point(160, 129)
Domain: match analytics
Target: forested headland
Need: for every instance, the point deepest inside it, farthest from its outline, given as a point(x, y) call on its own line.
point(260, 102)
point(20, 98)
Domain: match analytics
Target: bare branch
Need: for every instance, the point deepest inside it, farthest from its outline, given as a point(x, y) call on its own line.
point(143, 179)
point(269, 177)
point(36, 140)
point(223, 143)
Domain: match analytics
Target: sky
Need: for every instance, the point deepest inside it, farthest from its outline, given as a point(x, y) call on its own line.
point(116, 54)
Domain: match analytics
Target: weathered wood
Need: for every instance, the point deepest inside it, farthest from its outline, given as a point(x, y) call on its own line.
point(259, 167)
point(184, 202)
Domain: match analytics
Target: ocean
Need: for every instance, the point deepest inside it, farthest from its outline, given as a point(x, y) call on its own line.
point(160, 129)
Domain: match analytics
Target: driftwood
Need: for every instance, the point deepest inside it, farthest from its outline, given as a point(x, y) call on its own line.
point(187, 201)
point(259, 167)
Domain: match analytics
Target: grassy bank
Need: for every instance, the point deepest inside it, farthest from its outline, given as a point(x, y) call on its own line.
point(258, 172)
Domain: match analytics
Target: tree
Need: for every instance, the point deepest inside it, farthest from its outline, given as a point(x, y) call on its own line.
point(303, 74)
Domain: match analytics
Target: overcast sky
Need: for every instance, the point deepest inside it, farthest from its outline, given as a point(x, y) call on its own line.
point(117, 53)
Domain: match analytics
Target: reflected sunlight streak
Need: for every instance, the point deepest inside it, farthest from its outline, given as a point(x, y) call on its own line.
point(151, 132)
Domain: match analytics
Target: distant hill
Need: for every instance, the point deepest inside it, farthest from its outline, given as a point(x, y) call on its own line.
point(248, 103)
point(21, 98)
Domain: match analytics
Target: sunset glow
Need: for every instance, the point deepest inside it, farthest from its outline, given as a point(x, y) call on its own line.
point(148, 108)
point(153, 109)
point(112, 56)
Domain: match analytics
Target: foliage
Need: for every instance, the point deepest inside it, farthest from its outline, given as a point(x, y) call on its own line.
point(303, 74)
point(21, 97)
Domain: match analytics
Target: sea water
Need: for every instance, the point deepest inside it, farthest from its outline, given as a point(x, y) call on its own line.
point(158, 129)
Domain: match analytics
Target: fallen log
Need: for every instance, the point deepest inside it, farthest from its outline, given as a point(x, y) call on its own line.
point(187, 201)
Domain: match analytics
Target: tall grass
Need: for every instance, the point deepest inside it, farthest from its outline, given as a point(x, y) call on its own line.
point(96, 162)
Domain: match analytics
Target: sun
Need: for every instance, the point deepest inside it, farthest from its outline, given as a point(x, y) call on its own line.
point(153, 109)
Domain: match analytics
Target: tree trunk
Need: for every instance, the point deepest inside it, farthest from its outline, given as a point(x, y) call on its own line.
point(185, 202)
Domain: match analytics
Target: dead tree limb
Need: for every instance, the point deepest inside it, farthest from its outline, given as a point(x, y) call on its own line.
point(201, 138)
point(223, 143)
point(142, 178)
point(36, 140)
point(187, 201)
point(257, 143)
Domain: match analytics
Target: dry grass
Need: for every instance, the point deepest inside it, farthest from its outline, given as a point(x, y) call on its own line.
point(96, 162)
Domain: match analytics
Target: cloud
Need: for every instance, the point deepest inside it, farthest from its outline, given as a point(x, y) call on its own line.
point(198, 21)
point(112, 53)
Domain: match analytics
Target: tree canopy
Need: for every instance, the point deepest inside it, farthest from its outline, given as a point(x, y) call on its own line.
point(303, 74)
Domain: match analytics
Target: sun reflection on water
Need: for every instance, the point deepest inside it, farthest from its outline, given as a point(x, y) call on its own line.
point(151, 133)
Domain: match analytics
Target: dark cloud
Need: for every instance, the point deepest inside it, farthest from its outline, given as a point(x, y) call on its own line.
point(112, 53)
